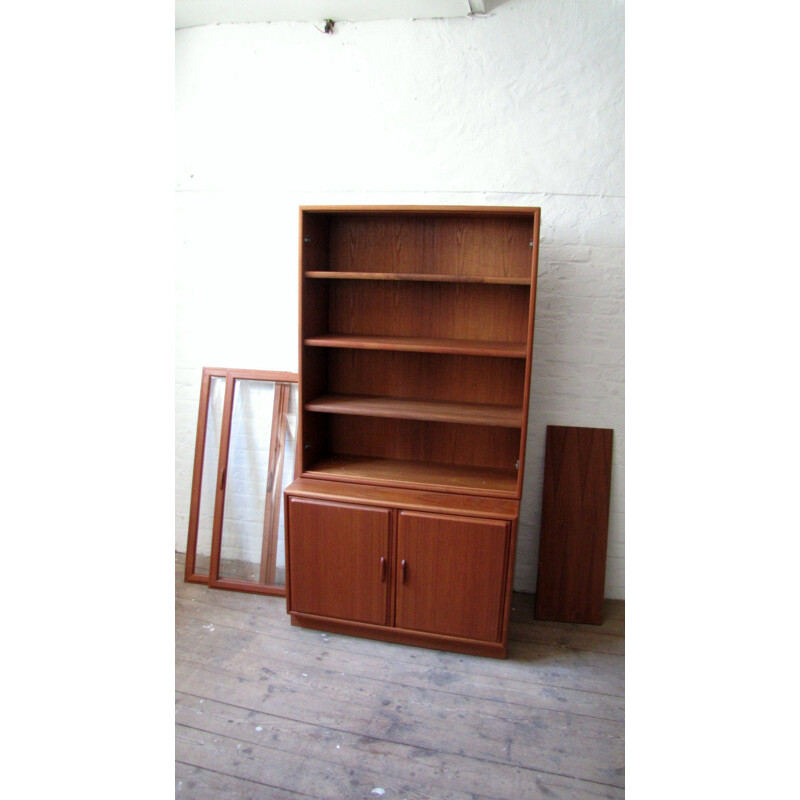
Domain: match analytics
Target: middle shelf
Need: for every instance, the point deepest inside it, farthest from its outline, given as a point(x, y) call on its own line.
point(419, 344)
point(433, 411)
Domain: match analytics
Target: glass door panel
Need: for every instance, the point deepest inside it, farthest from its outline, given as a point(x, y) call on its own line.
point(205, 517)
point(259, 461)
point(210, 424)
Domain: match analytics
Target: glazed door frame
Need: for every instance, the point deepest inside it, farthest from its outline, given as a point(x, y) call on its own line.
point(273, 493)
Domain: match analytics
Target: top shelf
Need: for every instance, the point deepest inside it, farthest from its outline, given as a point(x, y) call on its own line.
point(416, 276)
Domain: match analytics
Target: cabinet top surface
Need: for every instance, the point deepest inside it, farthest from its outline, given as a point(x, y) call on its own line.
point(415, 500)
point(390, 209)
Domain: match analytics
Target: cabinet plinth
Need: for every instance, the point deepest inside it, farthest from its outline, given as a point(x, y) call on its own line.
point(416, 334)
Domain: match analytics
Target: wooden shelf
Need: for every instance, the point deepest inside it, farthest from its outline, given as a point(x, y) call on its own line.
point(414, 499)
point(434, 411)
point(420, 345)
point(416, 276)
point(391, 472)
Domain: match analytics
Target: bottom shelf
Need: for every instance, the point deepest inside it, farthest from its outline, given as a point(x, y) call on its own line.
point(389, 472)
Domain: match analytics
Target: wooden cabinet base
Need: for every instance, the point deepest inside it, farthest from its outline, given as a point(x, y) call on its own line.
point(418, 568)
point(400, 636)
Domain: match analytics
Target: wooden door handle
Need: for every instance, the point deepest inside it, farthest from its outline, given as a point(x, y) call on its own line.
point(383, 569)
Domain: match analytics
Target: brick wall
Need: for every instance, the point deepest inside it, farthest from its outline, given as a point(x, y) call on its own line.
point(578, 357)
point(523, 106)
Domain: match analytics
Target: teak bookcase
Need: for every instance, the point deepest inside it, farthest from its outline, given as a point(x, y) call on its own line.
point(416, 333)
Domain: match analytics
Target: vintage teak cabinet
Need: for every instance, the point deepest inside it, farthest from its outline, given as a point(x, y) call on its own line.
point(416, 333)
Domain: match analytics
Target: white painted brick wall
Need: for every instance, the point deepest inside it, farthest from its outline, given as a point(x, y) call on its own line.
point(521, 107)
point(579, 359)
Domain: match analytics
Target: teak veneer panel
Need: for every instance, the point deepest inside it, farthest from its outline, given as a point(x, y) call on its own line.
point(442, 377)
point(448, 444)
point(419, 344)
point(574, 530)
point(408, 276)
point(339, 556)
point(468, 311)
point(411, 499)
point(451, 575)
point(394, 472)
point(449, 243)
point(435, 411)
point(416, 339)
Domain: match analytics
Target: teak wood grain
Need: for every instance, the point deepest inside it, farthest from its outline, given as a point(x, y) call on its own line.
point(574, 529)
point(450, 312)
point(451, 574)
point(431, 410)
point(417, 474)
point(409, 276)
point(419, 344)
point(411, 499)
point(339, 560)
point(272, 505)
point(469, 311)
point(191, 570)
point(431, 243)
point(431, 443)
point(438, 580)
point(416, 339)
point(446, 378)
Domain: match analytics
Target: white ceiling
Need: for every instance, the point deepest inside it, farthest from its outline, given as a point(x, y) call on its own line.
point(189, 13)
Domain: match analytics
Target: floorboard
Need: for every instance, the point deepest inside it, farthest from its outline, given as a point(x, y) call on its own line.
point(268, 710)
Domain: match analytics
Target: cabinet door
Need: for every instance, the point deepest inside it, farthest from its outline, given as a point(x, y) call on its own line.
point(338, 560)
point(451, 574)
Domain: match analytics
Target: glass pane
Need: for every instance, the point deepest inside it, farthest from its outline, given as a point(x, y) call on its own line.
point(251, 548)
point(289, 447)
point(216, 402)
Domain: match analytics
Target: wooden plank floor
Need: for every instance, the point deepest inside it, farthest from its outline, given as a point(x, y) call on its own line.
point(266, 710)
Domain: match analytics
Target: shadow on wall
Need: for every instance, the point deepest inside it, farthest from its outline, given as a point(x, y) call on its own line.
point(492, 5)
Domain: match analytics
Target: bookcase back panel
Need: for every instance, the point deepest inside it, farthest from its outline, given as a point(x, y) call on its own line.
point(314, 427)
point(447, 311)
point(315, 363)
point(444, 244)
point(314, 242)
point(413, 440)
point(316, 300)
point(451, 378)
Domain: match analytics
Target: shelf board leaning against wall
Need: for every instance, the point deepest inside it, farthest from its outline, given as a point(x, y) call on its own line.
point(574, 530)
